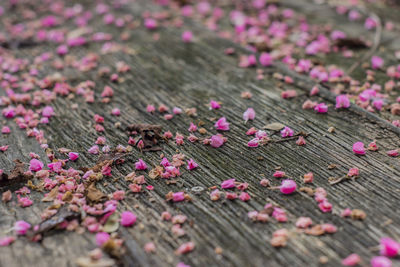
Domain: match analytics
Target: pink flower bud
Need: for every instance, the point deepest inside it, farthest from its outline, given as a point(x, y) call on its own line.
point(288, 186)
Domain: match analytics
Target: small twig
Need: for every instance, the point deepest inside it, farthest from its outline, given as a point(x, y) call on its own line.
point(334, 180)
point(377, 41)
point(290, 138)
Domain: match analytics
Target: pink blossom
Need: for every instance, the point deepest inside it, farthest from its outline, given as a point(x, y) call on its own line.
point(215, 195)
point(279, 174)
point(393, 153)
point(94, 150)
point(222, 124)
point(115, 112)
point(372, 146)
point(266, 59)
point(5, 130)
point(358, 148)
point(62, 50)
point(342, 101)
point(7, 240)
point(217, 141)
point(185, 248)
point(230, 183)
point(21, 227)
point(118, 195)
point(24, 201)
point(150, 108)
point(249, 114)
point(288, 94)
point(301, 141)
point(178, 196)
point(303, 222)
point(191, 164)
point(351, 260)
point(389, 247)
point(288, 186)
point(314, 91)
point(370, 23)
point(187, 36)
point(321, 108)
point(325, 206)
point(378, 103)
point(140, 165)
point(150, 24)
point(176, 110)
point(329, 228)
point(353, 172)
point(35, 165)
point(107, 91)
point(253, 142)
point(214, 105)
point(244, 196)
point(308, 104)
point(377, 62)
point(73, 156)
point(287, 132)
point(192, 127)
point(47, 112)
point(128, 218)
point(265, 182)
point(346, 213)
point(381, 261)
point(308, 177)
point(102, 238)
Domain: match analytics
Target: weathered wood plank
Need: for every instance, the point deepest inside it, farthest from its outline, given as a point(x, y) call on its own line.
point(189, 75)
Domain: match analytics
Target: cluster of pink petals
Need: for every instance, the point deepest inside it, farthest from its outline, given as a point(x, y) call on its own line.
point(381, 261)
point(288, 186)
point(321, 108)
point(217, 140)
point(140, 165)
point(353, 172)
point(342, 101)
point(35, 165)
point(351, 260)
point(73, 156)
point(214, 105)
point(128, 218)
point(191, 164)
point(230, 183)
point(304, 222)
point(178, 196)
point(21, 227)
point(249, 114)
point(102, 238)
point(187, 36)
point(358, 148)
point(389, 247)
point(7, 240)
point(222, 124)
point(287, 132)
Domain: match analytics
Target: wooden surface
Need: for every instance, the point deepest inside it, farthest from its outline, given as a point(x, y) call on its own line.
point(171, 72)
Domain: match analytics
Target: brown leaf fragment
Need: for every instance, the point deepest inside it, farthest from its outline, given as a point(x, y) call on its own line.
point(17, 175)
point(93, 194)
point(150, 135)
point(315, 230)
point(358, 214)
point(51, 195)
point(275, 126)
